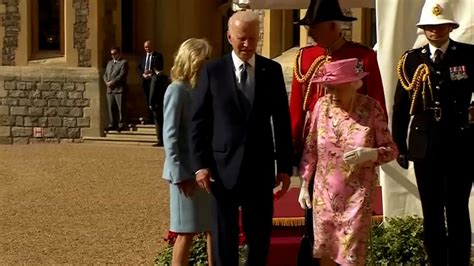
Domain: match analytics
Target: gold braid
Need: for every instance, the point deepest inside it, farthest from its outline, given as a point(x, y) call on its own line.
point(421, 77)
point(313, 69)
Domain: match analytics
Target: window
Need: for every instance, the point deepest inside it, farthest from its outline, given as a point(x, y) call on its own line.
point(47, 26)
point(127, 26)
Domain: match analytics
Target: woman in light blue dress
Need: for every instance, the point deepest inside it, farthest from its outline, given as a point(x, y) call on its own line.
point(190, 206)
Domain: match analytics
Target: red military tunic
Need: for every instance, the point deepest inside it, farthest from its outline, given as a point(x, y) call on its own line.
point(299, 91)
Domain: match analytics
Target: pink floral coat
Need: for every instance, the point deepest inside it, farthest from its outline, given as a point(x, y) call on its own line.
point(342, 194)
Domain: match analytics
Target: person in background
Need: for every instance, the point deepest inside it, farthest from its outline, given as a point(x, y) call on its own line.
point(115, 79)
point(348, 138)
point(190, 206)
point(150, 69)
point(434, 92)
point(239, 101)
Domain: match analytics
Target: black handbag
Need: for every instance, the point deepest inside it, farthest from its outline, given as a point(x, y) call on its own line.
point(305, 251)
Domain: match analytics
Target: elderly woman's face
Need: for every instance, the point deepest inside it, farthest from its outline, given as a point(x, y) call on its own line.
point(354, 85)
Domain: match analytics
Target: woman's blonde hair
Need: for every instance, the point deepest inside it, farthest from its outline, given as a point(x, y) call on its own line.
point(189, 59)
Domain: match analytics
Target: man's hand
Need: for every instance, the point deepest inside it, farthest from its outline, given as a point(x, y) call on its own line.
point(204, 179)
point(402, 160)
point(109, 83)
point(284, 180)
point(304, 198)
point(187, 187)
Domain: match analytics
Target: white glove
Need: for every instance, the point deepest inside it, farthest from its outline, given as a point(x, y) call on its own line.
point(360, 155)
point(303, 198)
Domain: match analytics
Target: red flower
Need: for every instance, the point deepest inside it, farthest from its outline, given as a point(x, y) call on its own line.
point(170, 238)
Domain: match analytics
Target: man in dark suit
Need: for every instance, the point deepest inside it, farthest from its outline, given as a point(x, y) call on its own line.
point(154, 84)
point(440, 133)
point(115, 78)
point(240, 125)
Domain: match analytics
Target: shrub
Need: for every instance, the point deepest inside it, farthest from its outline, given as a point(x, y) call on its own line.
point(397, 240)
point(198, 254)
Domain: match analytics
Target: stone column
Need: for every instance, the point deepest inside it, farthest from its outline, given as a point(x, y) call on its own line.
point(304, 38)
point(10, 22)
point(272, 28)
point(70, 51)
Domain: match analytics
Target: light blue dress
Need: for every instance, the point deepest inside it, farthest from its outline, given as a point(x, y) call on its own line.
point(187, 214)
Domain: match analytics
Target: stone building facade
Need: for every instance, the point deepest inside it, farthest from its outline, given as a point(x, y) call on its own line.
point(58, 95)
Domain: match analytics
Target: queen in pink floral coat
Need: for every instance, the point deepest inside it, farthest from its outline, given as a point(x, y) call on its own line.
point(348, 138)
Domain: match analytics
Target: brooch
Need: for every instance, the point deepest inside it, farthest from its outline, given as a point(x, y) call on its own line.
point(359, 66)
point(458, 72)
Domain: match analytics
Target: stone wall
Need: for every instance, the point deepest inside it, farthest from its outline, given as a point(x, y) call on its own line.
point(347, 26)
point(81, 32)
point(10, 20)
point(261, 14)
point(62, 103)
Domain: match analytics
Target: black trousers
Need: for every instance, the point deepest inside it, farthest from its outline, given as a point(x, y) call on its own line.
point(146, 84)
point(256, 205)
point(158, 120)
point(444, 188)
point(157, 91)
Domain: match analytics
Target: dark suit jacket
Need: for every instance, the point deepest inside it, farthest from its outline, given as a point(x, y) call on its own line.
point(116, 72)
point(452, 83)
point(233, 142)
point(156, 63)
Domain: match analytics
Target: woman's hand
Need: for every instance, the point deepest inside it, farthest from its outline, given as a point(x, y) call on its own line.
point(360, 155)
point(304, 198)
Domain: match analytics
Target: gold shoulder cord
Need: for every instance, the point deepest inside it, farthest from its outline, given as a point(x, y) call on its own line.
point(421, 77)
point(317, 63)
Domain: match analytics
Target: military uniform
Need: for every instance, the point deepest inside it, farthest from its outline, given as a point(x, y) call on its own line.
point(305, 94)
point(437, 96)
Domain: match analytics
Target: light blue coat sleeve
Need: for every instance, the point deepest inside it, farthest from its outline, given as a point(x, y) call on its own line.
point(173, 127)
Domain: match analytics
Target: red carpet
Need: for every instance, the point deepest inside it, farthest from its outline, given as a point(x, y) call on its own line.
point(288, 227)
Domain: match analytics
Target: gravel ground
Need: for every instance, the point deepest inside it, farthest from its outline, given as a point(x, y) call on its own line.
point(81, 204)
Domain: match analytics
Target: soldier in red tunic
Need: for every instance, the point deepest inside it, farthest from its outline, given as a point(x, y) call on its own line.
point(323, 20)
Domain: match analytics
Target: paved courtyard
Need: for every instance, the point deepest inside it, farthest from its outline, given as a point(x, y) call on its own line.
point(81, 204)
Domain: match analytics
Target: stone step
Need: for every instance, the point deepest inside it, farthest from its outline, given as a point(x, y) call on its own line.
point(116, 142)
point(124, 139)
point(140, 132)
point(129, 135)
point(144, 129)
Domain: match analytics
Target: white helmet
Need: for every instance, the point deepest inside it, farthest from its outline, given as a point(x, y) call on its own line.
point(437, 12)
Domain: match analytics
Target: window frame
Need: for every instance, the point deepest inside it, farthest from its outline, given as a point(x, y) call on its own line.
point(35, 52)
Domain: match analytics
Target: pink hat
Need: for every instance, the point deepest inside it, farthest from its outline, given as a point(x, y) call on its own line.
point(341, 71)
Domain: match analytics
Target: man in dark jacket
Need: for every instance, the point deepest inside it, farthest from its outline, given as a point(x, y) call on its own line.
point(435, 87)
point(154, 84)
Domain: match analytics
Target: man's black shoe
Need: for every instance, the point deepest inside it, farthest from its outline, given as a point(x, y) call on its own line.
point(109, 127)
point(159, 144)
